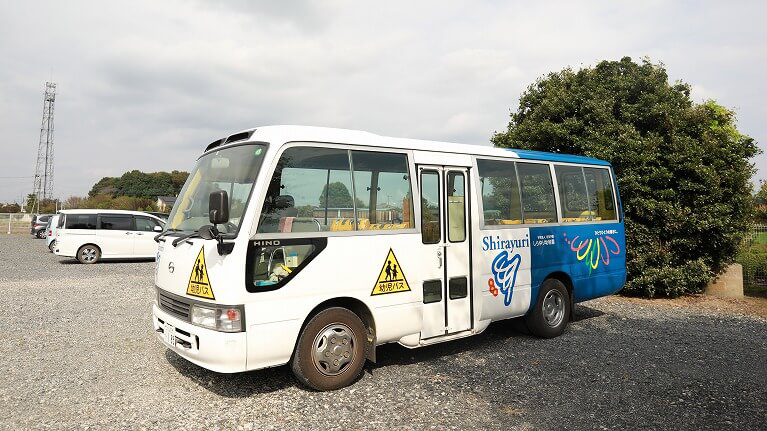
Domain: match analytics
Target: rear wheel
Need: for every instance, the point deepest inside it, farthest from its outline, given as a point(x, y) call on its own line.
point(40, 233)
point(552, 310)
point(88, 253)
point(331, 350)
point(52, 245)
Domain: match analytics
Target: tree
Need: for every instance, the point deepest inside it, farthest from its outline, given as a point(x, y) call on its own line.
point(338, 197)
point(683, 169)
point(760, 202)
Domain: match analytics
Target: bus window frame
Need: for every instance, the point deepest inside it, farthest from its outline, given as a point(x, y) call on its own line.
point(269, 173)
point(480, 205)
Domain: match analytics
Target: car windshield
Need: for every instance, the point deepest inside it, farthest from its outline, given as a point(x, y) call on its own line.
point(233, 170)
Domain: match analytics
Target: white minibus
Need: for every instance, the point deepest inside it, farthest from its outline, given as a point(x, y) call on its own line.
point(90, 235)
point(311, 246)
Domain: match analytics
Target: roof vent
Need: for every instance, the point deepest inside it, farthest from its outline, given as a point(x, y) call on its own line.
point(239, 136)
point(214, 144)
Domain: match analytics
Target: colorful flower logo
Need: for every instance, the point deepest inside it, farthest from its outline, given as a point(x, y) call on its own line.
point(504, 275)
point(594, 250)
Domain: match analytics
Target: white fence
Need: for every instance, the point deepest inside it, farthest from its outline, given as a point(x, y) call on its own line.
point(18, 223)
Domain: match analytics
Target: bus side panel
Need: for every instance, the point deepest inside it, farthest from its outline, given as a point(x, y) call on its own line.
point(593, 255)
point(348, 267)
point(501, 270)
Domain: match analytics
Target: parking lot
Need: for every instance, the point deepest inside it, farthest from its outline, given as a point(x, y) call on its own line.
point(78, 352)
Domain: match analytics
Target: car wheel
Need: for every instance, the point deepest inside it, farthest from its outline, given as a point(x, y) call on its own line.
point(331, 350)
point(52, 245)
point(88, 253)
point(40, 233)
point(552, 310)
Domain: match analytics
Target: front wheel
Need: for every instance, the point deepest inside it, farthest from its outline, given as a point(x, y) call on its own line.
point(552, 310)
point(331, 350)
point(88, 254)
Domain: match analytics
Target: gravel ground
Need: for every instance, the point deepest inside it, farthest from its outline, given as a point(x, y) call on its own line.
point(78, 353)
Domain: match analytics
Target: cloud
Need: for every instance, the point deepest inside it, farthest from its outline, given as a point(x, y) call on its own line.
point(148, 85)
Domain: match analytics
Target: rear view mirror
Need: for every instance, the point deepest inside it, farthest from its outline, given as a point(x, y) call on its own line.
point(218, 207)
point(157, 229)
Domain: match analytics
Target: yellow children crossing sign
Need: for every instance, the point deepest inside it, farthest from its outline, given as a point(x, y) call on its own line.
point(199, 285)
point(392, 278)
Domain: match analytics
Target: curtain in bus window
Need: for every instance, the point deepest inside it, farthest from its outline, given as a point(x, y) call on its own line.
point(382, 191)
point(538, 204)
point(600, 191)
point(310, 191)
point(574, 203)
point(500, 192)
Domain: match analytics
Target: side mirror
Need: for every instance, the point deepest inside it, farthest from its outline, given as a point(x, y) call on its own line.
point(157, 229)
point(218, 207)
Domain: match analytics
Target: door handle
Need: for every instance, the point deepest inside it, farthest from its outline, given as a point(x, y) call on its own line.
point(439, 259)
point(127, 233)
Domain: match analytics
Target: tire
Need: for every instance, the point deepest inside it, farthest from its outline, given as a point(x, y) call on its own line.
point(316, 365)
point(52, 245)
point(88, 254)
point(552, 310)
point(40, 234)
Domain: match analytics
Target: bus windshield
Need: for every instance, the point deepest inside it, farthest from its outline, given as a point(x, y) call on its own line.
point(231, 169)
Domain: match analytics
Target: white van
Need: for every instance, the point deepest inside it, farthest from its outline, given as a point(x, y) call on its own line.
point(91, 235)
point(51, 230)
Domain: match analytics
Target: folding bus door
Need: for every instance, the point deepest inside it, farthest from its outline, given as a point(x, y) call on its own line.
point(445, 237)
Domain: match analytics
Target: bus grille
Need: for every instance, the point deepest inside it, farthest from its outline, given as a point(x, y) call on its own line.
point(173, 305)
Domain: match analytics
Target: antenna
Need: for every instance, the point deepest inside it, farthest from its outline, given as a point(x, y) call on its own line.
point(43, 186)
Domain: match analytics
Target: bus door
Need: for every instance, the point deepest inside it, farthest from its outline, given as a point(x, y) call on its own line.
point(446, 259)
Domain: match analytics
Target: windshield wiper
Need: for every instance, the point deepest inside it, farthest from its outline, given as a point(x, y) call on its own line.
point(166, 232)
point(184, 238)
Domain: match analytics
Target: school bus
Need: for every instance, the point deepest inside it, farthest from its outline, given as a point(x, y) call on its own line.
point(312, 246)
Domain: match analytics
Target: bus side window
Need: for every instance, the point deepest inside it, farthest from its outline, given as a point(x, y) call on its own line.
point(431, 232)
point(538, 204)
point(456, 212)
point(310, 191)
point(500, 192)
point(382, 191)
point(574, 204)
point(600, 192)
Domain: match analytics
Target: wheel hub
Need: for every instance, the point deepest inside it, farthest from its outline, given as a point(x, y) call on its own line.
point(553, 308)
point(333, 349)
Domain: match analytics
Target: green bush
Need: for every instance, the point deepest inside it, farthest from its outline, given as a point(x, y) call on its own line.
point(683, 169)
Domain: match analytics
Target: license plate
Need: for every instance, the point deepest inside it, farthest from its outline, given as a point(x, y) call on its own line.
point(170, 334)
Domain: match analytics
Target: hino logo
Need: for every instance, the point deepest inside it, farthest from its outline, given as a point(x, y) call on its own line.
point(266, 243)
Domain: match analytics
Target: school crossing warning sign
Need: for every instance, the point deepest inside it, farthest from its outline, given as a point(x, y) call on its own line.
point(392, 278)
point(199, 285)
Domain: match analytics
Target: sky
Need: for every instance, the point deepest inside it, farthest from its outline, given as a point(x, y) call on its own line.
point(147, 85)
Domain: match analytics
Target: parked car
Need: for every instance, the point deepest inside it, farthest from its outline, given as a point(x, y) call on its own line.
point(38, 225)
point(92, 235)
point(163, 216)
point(51, 229)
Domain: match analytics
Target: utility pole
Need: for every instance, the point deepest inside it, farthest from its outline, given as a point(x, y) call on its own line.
point(43, 186)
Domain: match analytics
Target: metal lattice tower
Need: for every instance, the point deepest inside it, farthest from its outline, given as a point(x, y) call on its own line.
point(43, 188)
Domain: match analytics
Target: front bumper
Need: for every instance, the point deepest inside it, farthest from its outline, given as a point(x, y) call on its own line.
point(222, 352)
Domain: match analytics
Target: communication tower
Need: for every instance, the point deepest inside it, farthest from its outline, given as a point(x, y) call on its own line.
point(43, 187)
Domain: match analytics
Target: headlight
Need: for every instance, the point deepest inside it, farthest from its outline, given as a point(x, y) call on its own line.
point(224, 319)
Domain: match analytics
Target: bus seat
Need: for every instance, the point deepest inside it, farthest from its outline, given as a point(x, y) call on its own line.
point(509, 221)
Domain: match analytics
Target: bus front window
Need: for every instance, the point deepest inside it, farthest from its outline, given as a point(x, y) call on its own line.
point(231, 169)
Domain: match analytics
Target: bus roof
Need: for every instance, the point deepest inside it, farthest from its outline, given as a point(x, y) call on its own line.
point(286, 133)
